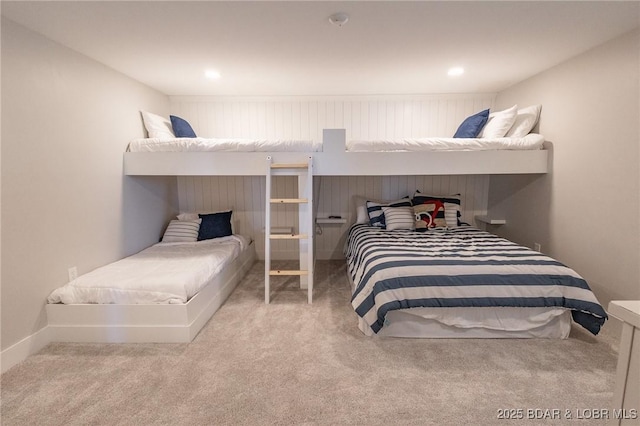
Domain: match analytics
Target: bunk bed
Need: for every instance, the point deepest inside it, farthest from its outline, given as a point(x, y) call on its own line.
point(335, 157)
point(501, 142)
point(165, 293)
point(461, 282)
point(489, 153)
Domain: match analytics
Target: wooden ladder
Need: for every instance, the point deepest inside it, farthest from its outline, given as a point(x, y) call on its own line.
point(304, 171)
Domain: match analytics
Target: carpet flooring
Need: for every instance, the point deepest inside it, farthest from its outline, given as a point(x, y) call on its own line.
point(290, 363)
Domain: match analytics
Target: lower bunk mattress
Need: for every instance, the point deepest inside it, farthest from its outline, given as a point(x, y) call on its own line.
point(163, 273)
point(164, 294)
point(462, 282)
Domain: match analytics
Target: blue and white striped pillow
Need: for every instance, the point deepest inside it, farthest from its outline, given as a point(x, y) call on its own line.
point(399, 218)
point(182, 231)
point(376, 215)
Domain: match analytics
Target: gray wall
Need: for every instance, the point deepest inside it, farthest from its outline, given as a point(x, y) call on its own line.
point(586, 211)
point(66, 121)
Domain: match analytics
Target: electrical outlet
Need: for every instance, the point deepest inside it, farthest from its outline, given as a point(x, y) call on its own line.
point(73, 273)
point(537, 247)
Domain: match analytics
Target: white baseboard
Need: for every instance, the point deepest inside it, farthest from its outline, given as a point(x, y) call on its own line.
point(18, 352)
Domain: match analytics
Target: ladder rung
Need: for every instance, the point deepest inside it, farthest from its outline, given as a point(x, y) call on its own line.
point(290, 200)
point(289, 272)
point(289, 166)
point(288, 236)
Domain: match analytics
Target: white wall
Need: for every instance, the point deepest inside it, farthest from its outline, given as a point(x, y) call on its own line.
point(66, 121)
point(586, 212)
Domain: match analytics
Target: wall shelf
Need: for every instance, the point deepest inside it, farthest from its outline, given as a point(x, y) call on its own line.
point(330, 220)
point(490, 220)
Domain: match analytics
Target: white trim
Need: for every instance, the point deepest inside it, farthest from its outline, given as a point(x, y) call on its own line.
point(30, 345)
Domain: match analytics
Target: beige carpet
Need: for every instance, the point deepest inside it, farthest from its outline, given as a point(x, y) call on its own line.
point(290, 363)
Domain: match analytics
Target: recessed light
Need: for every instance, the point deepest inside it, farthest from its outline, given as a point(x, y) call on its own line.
point(212, 74)
point(455, 71)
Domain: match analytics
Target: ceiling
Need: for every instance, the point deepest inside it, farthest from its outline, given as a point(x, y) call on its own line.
point(290, 48)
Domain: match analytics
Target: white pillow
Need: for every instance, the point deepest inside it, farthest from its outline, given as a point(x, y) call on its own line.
point(526, 120)
point(361, 214)
point(499, 123)
point(182, 231)
point(361, 209)
point(188, 216)
point(399, 218)
point(157, 127)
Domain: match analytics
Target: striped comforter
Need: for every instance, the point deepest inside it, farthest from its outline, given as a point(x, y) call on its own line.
point(459, 267)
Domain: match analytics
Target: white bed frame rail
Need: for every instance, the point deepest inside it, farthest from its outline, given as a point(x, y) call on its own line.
point(334, 160)
point(167, 323)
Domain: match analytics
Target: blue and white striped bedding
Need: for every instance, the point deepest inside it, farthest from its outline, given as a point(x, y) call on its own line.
point(463, 267)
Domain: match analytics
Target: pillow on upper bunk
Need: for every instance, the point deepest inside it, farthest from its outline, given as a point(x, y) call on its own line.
point(182, 231)
point(188, 216)
point(499, 123)
point(157, 127)
point(215, 225)
point(361, 209)
point(399, 218)
point(376, 215)
point(472, 125)
point(436, 211)
point(181, 128)
point(526, 120)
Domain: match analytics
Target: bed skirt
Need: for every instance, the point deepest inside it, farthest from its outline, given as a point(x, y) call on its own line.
point(403, 323)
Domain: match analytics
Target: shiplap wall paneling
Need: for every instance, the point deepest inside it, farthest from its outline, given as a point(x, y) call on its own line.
point(334, 195)
point(245, 196)
point(339, 195)
point(368, 117)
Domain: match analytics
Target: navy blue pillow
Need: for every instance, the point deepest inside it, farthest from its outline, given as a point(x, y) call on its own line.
point(472, 125)
point(215, 225)
point(181, 128)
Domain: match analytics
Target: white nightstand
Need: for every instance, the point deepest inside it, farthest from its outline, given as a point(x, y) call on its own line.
point(626, 395)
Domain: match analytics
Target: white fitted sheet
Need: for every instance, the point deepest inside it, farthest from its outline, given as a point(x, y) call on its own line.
point(530, 142)
point(232, 145)
point(163, 273)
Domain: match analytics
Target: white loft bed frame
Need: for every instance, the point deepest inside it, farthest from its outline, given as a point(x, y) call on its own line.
point(334, 160)
point(160, 323)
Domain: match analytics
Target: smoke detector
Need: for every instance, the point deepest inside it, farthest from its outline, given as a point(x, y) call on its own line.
point(339, 19)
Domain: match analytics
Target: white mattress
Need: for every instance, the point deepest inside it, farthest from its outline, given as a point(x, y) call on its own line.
point(234, 145)
point(163, 273)
point(530, 142)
